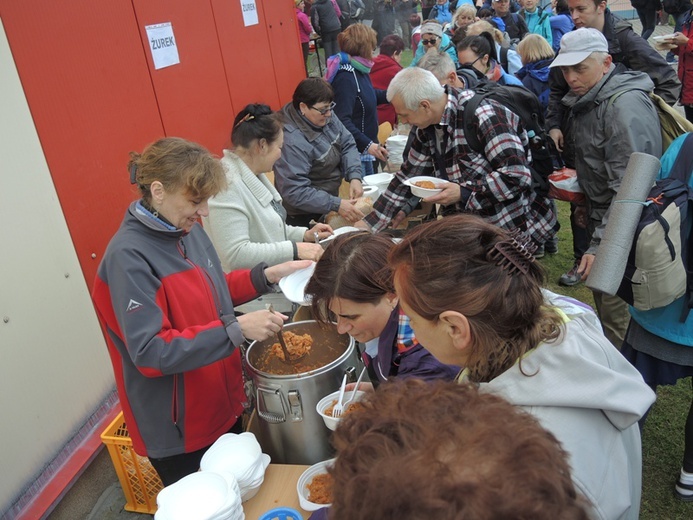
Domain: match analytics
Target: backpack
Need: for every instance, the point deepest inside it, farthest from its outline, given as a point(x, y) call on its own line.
point(676, 6)
point(672, 123)
point(544, 156)
point(659, 269)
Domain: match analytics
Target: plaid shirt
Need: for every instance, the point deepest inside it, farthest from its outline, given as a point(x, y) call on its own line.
point(496, 185)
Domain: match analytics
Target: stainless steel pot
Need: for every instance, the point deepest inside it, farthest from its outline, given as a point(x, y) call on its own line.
point(288, 427)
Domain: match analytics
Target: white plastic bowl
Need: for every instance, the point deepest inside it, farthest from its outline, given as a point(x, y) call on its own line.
point(370, 191)
point(381, 180)
point(325, 402)
point(305, 479)
point(423, 192)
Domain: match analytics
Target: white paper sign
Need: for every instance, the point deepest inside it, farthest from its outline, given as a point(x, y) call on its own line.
point(249, 12)
point(162, 44)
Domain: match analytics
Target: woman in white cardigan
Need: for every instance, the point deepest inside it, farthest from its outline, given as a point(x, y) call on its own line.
point(247, 222)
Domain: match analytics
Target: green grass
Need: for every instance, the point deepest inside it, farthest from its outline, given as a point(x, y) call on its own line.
point(663, 435)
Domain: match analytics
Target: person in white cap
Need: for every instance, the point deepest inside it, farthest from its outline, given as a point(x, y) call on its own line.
point(625, 46)
point(612, 117)
point(433, 37)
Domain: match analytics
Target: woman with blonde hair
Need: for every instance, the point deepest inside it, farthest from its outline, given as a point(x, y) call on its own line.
point(473, 293)
point(508, 58)
point(536, 55)
point(355, 98)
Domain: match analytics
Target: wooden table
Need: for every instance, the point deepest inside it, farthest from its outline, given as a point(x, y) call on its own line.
point(277, 490)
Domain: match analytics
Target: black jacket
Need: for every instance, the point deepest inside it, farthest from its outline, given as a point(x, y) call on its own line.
point(627, 48)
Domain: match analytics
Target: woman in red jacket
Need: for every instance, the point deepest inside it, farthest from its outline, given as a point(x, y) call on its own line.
point(385, 66)
point(682, 44)
point(166, 308)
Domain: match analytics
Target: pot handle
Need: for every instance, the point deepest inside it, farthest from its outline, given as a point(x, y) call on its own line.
point(263, 413)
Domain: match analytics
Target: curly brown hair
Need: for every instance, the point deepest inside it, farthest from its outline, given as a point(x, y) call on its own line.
point(179, 165)
point(440, 450)
point(443, 265)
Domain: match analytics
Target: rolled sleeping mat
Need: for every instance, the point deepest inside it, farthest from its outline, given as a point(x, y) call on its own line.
point(610, 262)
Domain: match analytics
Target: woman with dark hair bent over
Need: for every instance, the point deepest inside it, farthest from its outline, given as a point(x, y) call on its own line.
point(352, 285)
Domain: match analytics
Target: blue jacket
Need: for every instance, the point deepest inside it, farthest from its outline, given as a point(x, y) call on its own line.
point(560, 24)
point(357, 103)
point(441, 12)
point(539, 23)
point(445, 45)
point(665, 321)
point(535, 77)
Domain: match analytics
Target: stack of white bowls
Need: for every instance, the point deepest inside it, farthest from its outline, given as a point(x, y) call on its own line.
point(395, 148)
point(204, 495)
point(240, 455)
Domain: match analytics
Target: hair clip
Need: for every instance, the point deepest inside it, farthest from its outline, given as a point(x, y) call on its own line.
point(513, 254)
point(133, 173)
point(247, 117)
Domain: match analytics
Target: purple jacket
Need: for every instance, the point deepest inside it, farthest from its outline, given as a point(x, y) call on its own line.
point(415, 362)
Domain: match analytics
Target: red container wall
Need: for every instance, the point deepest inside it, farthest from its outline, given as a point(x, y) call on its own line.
point(94, 94)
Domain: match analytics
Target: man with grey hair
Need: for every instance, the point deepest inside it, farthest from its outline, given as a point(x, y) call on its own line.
point(495, 184)
point(443, 68)
point(612, 117)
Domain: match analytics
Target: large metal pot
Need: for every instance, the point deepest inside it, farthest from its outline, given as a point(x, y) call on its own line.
point(288, 427)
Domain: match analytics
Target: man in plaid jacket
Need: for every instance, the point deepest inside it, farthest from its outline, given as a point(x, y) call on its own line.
point(496, 185)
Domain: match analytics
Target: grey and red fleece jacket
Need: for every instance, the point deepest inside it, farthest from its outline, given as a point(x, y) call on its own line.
point(166, 308)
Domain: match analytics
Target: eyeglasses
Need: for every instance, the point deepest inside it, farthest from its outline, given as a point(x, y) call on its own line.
point(323, 111)
point(471, 64)
point(429, 42)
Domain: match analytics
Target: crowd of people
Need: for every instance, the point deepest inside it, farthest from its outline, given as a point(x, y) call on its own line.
point(457, 304)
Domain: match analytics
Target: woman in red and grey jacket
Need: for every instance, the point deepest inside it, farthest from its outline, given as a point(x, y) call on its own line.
point(166, 308)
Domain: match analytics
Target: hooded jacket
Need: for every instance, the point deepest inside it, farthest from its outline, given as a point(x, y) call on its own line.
point(535, 77)
point(167, 312)
point(608, 133)
point(313, 162)
point(539, 22)
point(590, 397)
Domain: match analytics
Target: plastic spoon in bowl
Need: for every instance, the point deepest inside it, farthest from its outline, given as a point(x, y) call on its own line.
point(339, 407)
point(356, 388)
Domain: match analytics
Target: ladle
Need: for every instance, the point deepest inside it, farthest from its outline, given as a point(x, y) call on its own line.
point(280, 336)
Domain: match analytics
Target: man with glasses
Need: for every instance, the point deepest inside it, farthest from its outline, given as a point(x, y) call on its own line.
point(432, 37)
point(515, 25)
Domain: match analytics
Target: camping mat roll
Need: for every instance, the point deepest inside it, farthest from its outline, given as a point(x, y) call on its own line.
point(610, 263)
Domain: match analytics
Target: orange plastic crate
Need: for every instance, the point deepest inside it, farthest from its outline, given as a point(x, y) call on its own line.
point(139, 480)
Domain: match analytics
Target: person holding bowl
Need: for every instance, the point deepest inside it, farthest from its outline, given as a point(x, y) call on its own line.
point(167, 310)
point(352, 285)
point(247, 222)
point(318, 153)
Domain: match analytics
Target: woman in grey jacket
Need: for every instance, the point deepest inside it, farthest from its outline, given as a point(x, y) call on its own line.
point(318, 153)
point(246, 221)
point(473, 294)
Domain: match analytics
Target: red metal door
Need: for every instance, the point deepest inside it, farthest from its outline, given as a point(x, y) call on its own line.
point(89, 90)
point(193, 96)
